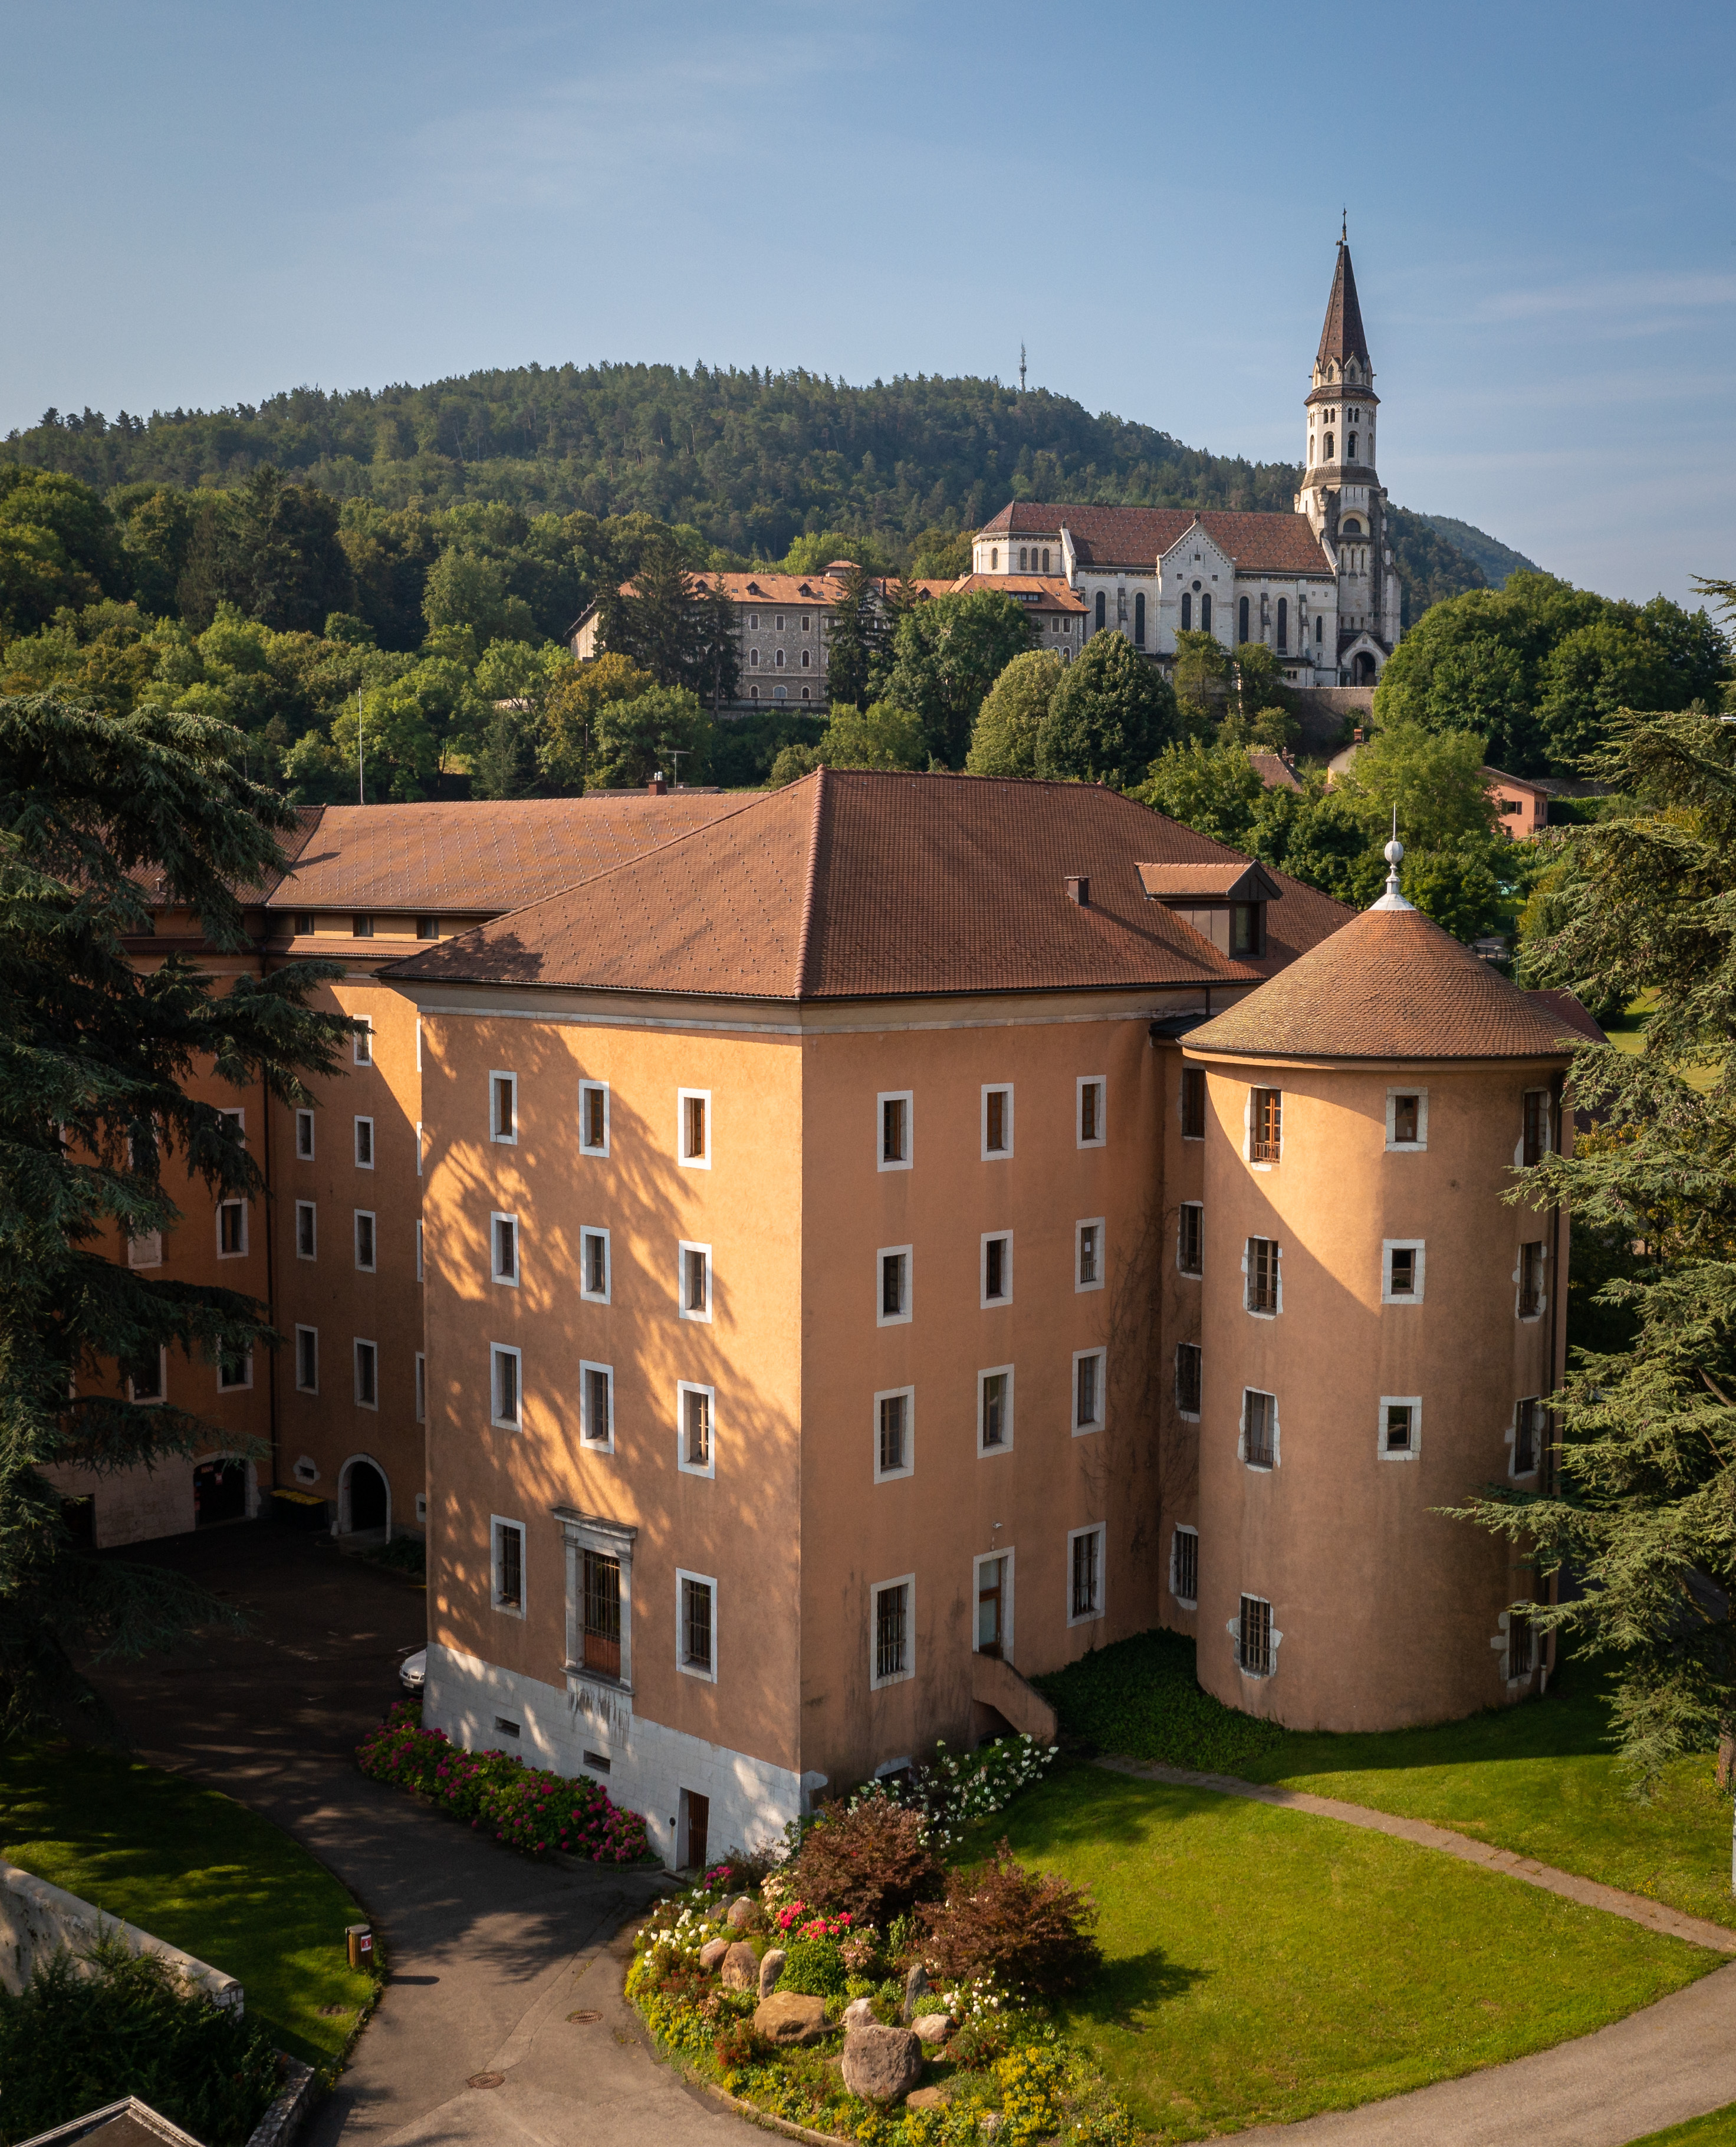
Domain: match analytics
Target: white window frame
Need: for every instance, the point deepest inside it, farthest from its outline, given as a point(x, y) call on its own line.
point(1523, 1318)
point(418, 1044)
point(686, 1668)
point(1515, 1474)
point(985, 1302)
point(1085, 1430)
point(883, 1318)
point(362, 1041)
point(1190, 1275)
point(907, 1097)
point(908, 1396)
point(1234, 1627)
point(310, 1208)
point(1388, 1246)
point(584, 1146)
point(991, 1372)
point(587, 1231)
point(497, 1523)
point(1183, 1529)
point(497, 1352)
point(1258, 1468)
point(373, 1232)
point(497, 1073)
point(684, 1247)
point(1269, 1163)
point(1394, 1145)
point(162, 1394)
point(241, 1250)
point(358, 1343)
point(361, 1120)
point(976, 1565)
point(305, 1124)
point(419, 1147)
point(1278, 1278)
point(241, 1386)
point(421, 1410)
point(683, 1387)
point(238, 1112)
point(422, 1508)
point(1101, 1083)
point(1088, 1222)
point(682, 1098)
point(496, 1217)
point(1098, 1530)
point(1414, 1402)
point(587, 1437)
point(421, 1267)
point(876, 1589)
point(299, 1332)
point(992, 1089)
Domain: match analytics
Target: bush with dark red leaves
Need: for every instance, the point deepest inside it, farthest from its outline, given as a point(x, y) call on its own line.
point(871, 1862)
point(1030, 1930)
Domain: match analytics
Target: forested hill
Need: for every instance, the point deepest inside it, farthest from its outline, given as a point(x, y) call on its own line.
point(750, 459)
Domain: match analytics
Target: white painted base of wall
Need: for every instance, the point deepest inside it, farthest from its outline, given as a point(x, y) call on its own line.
point(752, 1801)
point(135, 1506)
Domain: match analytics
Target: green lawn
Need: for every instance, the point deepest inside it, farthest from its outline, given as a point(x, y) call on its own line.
point(1717, 2129)
point(195, 1867)
point(1540, 1779)
point(1262, 1964)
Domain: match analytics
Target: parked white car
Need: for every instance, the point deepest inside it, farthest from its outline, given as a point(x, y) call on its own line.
point(412, 1670)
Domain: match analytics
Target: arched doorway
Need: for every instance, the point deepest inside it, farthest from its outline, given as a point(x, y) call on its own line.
point(364, 1499)
point(1365, 667)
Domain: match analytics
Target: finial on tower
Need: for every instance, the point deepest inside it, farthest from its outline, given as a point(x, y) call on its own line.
point(1344, 226)
point(1021, 368)
point(1394, 854)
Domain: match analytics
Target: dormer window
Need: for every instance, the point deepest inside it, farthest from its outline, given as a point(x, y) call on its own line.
point(1225, 903)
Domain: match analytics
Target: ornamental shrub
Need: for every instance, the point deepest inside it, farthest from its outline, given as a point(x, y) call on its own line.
point(1030, 1930)
point(815, 1969)
point(528, 1808)
point(871, 1862)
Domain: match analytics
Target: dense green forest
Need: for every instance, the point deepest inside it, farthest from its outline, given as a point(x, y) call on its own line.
point(1497, 561)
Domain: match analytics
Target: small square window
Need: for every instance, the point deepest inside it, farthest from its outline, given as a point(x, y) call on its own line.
point(231, 1230)
point(362, 1043)
point(1265, 1125)
point(895, 1111)
point(504, 1238)
point(1184, 1567)
point(303, 926)
point(304, 1136)
point(361, 927)
point(696, 1617)
point(148, 1377)
point(509, 1567)
point(422, 1416)
point(364, 1241)
point(1090, 1381)
point(307, 1230)
point(593, 1118)
point(693, 1107)
point(1532, 1298)
point(892, 1273)
point(306, 1360)
point(1194, 1103)
point(891, 1635)
point(1187, 1371)
point(503, 1108)
point(1085, 1576)
point(996, 1269)
point(1091, 1130)
point(1408, 1118)
point(505, 1396)
point(364, 1143)
point(997, 1124)
point(1254, 1637)
point(1260, 1265)
point(894, 1433)
point(1088, 1253)
point(593, 1266)
point(428, 927)
point(694, 1281)
point(1402, 1262)
point(696, 1428)
point(367, 1383)
point(994, 1410)
point(597, 1404)
point(1190, 1237)
point(1259, 1429)
point(1401, 1427)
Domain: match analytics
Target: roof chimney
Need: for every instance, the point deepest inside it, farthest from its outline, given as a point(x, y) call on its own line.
point(658, 786)
point(1078, 889)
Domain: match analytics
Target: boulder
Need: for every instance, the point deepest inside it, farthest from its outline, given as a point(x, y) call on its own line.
point(916, 1989)
point(712, 1952)
point(859, 2013)
point(787, 2017)
point(771, 1967)
point(882, 2064)
point(932, 2027)
point(740, 1913)
point(926, 2097)
point(741, 1968)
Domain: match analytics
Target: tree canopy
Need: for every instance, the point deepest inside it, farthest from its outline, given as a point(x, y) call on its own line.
point(1110, 713)
point(946, 656)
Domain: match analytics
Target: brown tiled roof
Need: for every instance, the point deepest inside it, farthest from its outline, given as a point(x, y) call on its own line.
point(1137, 537)
point(1275, 771)
point(855, 883)
point(290, 840)
point(1342, 336)
point(1236, 879)
point(480, 855)
point(1390, 985)
point(1567, 1008)
point(1050, 591)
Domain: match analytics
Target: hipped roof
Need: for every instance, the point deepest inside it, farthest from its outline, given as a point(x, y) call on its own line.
point(1137, 537)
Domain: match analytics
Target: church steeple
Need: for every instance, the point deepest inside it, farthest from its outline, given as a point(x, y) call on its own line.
point(1342, 337)
point(1342, 402)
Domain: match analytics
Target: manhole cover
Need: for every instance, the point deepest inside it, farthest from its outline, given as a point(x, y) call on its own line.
point(487, 2079)
point(583, 2017)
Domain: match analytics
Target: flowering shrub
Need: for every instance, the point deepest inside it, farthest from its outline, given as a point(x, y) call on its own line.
point(528, 1808)
point(815, 1969)
point(956, 1788)
point(811, 1922)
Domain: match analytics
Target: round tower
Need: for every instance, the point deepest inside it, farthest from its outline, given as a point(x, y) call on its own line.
point(1379, 1326)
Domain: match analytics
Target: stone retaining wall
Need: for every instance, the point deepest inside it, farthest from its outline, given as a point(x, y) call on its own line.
point(37, 1920)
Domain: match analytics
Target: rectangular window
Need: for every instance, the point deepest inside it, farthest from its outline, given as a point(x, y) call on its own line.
point(509, 1567)
point(1402, 1263)
point(1531, 1280)
point(593, 1275)
point(696, 1410)
point(600, 1613)
point(1194, 1103)
point(1521, 1643)
point(306, 1360)
point(236, 1119)
point(1262, 1268)
point(894, 1651)
point(421, 1391)
point(421, 1275)
point(997, 1124)
point(1536, 1139)
point(148, 1377)
point(503, 1108)
point(1090, 1379)
point(1085, 1590)
point(1190, 1237)
point(994, 1605)
point(1254, 1630)
point(593, 1118)
point(363, 1042)
point(303, 925)
point(895, 1290)
point(231, 1230)
point(994, 1410)
point(1184, 1566)
point(695, 1281)
point(506, 1397)
point(1259, 1429)
point(234, 1370)
point(503, 1232)
point(895, 1108)
point(696, 1610)
point(1401, 1427)
point(428, 927)
point(304, 1136)
point(694, 1106)
point(1187, 1364)
point(419, 1147)
point(364, 1143)
point(364, 1241)
point(367, 1383)
point(1528, 1437)
point(996, 1275)
point(418, 1044)
point(597, 1404)
point(1265, 1125)
point(1246, 935)
point(145, 1250)
point(1087, 1246)
point(361, 927)
point(1407, 1118)
point(894, 1433)
point(1091, 1130)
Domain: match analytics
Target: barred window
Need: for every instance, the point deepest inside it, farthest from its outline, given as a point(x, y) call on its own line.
point(696, 1404)
point(1190, 1237)
point(698, 1635)
point(1085, 1595)
point(1186, 1378)
point(1265, 1130)
point(1255, 1628)
point(596, 1405)
point(893, 1426)
point(509, 1566)
point(1259, 1419)
point(892, 1631)
point(1184, 1565)
point(600, 1638)
point(1521, 1643)
point(1262, 1275)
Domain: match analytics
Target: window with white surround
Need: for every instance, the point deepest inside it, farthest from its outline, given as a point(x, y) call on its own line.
point(696, 1621)
point(1090, 1123)
point(1184, 1566)
point(1256, 1642)
point(994, 1267)
point(234, 1371)
point(418, 1020)
point(992, 1575)
point(367, 1375)
point(145, 1250)
point(892, 1631)
point(895, 1112)
point(503, 1108)
point(894, 1433)
point(422, 1402)
point(231, 1230)
point(1258, 1445)
point(593, 1265)
point(304, 1136)
point(306, 1360)
point(1190, 1237)
point(148, 1377)
point(1528, 1437)
point(694, 1281)
point(997, 1123)
point(1534, 1142)
point(1085, 1574)
point(1408, 1118)
point(892, 1286)
point(694, 1128)
point(593, 1118)
point(1088, 1253)
point(506, 1388)
point(509, 1565)
point(696, 1428)
point(364, 1143)
point(503, 1249)
point(1262, 1281)
point(1188, 1363)
point(994, 1410)
point(1401, 1271)
point(419, 1147)
point(597, 1405)
point(1090, 1385)
point(237, 1117)
point(363, 1042)
point(422, 1509)
point(1401, 1427)
point(421, 1271)
point(1531, 1295)
point(1265, 1127)
point(365, 1241)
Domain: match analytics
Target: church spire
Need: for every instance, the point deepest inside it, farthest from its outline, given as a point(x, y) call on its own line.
point(1342, 337)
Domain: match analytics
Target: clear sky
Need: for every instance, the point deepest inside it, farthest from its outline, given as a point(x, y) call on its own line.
point(205, 203)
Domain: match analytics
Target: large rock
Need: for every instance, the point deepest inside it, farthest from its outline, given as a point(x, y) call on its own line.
point(712, 1952)
point(927, 2097)
point(932, 2027)
point(771, 1967)
point(741, 1968)
point(882, 2064)
point(859, 2013)
point(787, 2017)
point(741, 1913)
point(916, 1989)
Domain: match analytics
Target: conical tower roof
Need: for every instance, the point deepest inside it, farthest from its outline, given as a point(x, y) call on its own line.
point(1390, 985)
point(1343, 337)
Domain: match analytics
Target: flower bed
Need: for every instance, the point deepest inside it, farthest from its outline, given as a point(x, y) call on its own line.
point(527, 1807)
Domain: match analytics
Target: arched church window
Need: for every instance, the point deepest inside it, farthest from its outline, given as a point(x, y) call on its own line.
point(1103, 609)
point(1205, 614)
point(1352, 447)
point(1139, 619)
point(1283, 622)
point(1021, 558)
point(1242, 620)
point(1317, 628)
point(994, 563)
point(1187, 613)
point(1353, 528)
point(1045, 559)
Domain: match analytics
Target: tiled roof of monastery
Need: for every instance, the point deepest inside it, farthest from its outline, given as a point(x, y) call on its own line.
point(1050, 591)
point(1136, 537)
point(857, 883)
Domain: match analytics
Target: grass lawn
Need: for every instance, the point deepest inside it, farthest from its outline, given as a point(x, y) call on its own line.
point(195, 1867)
point(1717, 2128)
point(1262, 1964)
point(1539, 1779)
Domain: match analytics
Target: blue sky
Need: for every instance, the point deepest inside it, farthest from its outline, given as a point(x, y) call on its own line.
point(206, 203)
